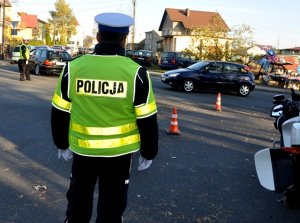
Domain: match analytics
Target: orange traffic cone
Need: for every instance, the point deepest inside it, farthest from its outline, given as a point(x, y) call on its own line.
point(173, 130)
point(218, 103)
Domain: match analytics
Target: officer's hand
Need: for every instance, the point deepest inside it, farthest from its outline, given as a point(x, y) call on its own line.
point(26, 62)
point(144, 163)
point(66, 154)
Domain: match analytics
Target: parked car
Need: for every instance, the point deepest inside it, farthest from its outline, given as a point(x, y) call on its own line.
point(47, 60)
point(212, 75)
point(130, 53)
point(144, 57)
point(15, 54)
point(58, 47)
point(175, 60)
point(72, 50)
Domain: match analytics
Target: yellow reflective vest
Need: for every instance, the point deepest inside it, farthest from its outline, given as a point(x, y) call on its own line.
point(24, 55)
point(103, 116)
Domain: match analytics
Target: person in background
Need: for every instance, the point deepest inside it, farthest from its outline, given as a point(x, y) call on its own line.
point(23, 61)
point(103, 111)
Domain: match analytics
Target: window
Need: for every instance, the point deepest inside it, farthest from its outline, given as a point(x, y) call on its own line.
point(231, 68)
point(215, 67)
point(43, 55)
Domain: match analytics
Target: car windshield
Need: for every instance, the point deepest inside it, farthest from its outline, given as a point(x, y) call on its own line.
point(59, 55)
point(168, 54)
point(65, 56)
point(198, 66)
point(16, 49)
point(144, 53)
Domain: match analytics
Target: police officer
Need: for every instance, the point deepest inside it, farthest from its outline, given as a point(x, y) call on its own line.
point(23, 61)
point(103, 111)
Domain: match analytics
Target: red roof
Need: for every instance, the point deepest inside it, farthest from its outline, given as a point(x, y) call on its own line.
point(29, 21)
point(190, 18)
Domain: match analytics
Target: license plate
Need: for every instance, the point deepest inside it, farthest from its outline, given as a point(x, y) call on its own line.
point(163, 78)
point(165, 61)
point(60, 63)
point(141, 58)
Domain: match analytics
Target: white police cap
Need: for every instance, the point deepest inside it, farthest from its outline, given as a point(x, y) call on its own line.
point(114, 22)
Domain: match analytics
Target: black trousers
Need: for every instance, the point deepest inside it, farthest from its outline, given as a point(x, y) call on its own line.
point(112, 175)
point(24, 69)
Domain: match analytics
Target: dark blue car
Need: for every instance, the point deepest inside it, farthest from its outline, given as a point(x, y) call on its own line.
point(212, 75)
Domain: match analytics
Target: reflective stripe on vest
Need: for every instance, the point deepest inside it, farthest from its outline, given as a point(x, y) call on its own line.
point(106, 143)
point(60, 103)
point(116, 130)
point(145, 110)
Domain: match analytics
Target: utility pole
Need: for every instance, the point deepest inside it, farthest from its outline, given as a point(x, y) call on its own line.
point(133, 27)
point(3, 29)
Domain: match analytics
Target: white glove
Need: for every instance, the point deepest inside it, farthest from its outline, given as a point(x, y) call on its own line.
point(144, 163)
point(66, 154)
point(26, 62)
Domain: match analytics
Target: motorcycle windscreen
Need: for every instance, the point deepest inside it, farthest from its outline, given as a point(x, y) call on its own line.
point(274, 169)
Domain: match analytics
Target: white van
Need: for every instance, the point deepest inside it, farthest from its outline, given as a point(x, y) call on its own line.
point(15, 54)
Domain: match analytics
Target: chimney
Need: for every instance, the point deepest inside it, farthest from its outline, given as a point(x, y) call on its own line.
point(187, 12)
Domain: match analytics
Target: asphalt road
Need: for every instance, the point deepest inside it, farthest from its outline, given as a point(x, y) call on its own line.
point(204, 175)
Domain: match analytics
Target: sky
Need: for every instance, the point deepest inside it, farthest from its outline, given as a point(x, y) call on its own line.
point(274, 22)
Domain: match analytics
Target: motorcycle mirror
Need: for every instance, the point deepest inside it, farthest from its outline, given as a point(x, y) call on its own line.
point(276, 111)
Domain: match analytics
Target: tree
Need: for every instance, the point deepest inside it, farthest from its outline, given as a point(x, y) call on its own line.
point(241, 41)
point(62, 21)
point(216, 42)
point(48, 38)
point(88, 41)
point(208, 41)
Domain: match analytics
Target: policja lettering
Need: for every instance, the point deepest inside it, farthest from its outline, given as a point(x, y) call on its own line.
point(104, 88)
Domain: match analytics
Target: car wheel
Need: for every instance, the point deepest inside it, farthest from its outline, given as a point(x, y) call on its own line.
point(188, 86)
point(37, 70)
point(244, 90)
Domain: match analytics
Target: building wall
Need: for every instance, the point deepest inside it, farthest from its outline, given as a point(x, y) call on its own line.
point(25, 33)
point(181, 43)
point(151, 41)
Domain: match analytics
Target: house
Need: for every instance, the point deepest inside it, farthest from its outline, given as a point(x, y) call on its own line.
point(264, 47)
point(40, 32)
point(256, 51)
point(28, 26)
point(77, 39)
point(290, 51)
point(152, 37)
point(177, 25)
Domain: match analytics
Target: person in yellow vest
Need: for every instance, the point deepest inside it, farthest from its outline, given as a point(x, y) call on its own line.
point(23, 61)
point(103, 111)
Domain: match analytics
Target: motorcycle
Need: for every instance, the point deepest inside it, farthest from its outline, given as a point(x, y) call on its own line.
point(278, 167)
